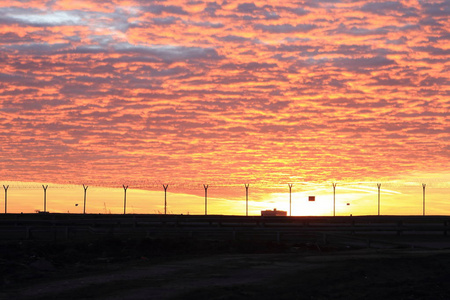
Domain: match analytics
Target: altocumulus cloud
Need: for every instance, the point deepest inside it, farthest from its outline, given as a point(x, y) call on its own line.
point(265, 90)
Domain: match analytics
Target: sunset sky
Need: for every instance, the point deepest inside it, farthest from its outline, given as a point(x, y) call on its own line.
point(186, 93)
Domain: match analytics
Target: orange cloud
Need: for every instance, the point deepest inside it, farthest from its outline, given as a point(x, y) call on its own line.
point(205, 92)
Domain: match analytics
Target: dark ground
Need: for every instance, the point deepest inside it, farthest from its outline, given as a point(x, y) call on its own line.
point(123, 268)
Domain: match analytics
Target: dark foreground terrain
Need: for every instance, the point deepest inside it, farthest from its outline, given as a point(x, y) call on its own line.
point(146, 268)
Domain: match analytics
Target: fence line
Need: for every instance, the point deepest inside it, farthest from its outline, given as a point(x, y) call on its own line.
point(285, 189)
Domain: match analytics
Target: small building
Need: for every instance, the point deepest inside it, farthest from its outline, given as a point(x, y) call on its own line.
point(273, 213)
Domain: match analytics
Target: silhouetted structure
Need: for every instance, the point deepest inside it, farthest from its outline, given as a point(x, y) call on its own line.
point(423, 188)
point(85, 189)
point(165, 186)
point(290, 198)
point(206, 198)
point(246, 198)
point(125, 188)
point(45, 196)
point(6, 197)
point(334, 199)
point(273, 213)
point(378, 185)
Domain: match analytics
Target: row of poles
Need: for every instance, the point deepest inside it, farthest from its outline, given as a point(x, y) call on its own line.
point(205, 186)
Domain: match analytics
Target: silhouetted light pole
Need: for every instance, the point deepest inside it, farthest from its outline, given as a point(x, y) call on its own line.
point(85, 189)
point(45, 196)
point(6, 196)
point(206, 198)
point(125, 188)
point(290, 198)
point(246, 198)
point(378, 185)
point(423, 188)
point(334, 199)
point(165, 186)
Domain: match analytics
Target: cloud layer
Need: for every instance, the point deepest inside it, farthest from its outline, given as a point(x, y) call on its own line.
point(223, 92)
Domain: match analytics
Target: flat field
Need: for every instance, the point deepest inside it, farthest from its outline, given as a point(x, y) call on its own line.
point(179, 257)
point(177, 269)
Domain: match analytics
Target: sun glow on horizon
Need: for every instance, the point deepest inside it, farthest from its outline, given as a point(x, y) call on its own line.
point(351, 198)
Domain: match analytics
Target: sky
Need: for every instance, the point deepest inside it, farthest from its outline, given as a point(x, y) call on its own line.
point(186, 93)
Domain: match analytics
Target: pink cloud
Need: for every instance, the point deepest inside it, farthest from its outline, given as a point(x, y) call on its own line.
point(193, 91)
